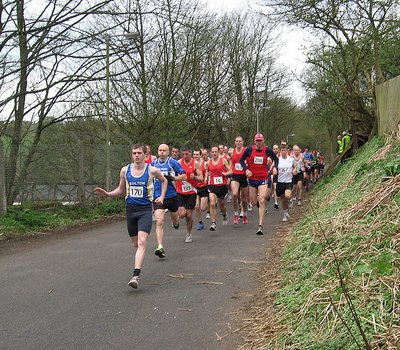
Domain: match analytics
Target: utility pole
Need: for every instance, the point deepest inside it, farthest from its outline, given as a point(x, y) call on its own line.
point(3, 199)
point(108, 142)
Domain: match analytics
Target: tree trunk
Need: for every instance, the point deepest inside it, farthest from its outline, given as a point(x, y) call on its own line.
point(20, 103)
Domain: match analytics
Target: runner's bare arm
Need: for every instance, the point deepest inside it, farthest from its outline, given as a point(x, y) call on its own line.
point(197, 176)
point(155, 172)
point(120, 190)
point(227, 168)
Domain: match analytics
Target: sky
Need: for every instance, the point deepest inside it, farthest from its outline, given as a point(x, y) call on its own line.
point(292, 54)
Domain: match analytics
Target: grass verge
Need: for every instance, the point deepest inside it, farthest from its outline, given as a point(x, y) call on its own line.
point(340, 274)
point(31, 218)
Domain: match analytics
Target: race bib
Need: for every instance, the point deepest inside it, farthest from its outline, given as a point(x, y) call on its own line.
point(136, 191)
point(258, 160)
point(238, 166)
point(284, 170)
point(218, 180)
point(186, 187)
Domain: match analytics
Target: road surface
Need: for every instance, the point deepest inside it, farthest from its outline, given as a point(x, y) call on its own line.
point(69, 291)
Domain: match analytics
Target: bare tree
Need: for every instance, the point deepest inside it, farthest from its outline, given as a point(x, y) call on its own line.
point(48, 66)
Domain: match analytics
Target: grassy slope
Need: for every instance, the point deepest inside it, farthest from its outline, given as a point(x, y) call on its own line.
point(348, 214)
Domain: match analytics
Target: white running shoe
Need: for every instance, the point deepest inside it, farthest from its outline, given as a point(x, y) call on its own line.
point(188, 239)
point(134, 282)
point(208, 216)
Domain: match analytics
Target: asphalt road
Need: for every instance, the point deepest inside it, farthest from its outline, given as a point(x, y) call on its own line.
point(69, 291)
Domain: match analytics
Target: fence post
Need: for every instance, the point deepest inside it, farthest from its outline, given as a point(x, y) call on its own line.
point(3, 199)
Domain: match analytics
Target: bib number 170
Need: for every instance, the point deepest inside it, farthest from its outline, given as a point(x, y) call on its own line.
point(136, 192)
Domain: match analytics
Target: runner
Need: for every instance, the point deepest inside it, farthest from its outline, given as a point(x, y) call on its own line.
point(172, 171)
point(202, 191)
point(187, 192)
point(239, 182)
point(217, 170)
point(314, 167)
point(286, 171)
point(205, 156)
point(299, 177)
point(256, 157)
point(274, 179)
point(175, 153)
point(136, 182)
point(149, 158)
point(224, 154)
point(308, 158)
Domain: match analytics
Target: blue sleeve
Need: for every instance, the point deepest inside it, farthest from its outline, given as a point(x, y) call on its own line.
point(246, 154)
point(176, 166)
point(272, 155)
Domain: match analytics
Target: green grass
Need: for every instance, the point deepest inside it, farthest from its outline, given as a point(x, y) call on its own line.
point(31, 218)
point(367, 246)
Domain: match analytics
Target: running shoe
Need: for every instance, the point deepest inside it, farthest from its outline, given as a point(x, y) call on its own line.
point(160, 252)
point(208, 216)
point(188, 239)
point(245, 219)
point(276, 206)
point(134, 282)
point(225, 220)
point(285, 217)
point(266, 211)
point(260, 230)
point(250, 208)
point(241, 215)
point(213, 227)
point(200, 226)
point(299, 203)
point(294, 199)
point(235, 219)
point(175, 226)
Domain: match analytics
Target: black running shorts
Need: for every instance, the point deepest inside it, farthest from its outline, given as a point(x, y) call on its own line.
point(219, 191)
point(169, 203)
point(138, 218)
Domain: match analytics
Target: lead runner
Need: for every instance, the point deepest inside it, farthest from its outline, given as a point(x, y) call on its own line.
point(136, 182)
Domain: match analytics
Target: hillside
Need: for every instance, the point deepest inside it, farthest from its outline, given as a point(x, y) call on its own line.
point(339, 274)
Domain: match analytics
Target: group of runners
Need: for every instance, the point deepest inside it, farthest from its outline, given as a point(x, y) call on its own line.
point(194, 184)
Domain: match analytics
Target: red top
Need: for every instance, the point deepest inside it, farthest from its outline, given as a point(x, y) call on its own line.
point(149, 159)
point(215, 173)
point(257, 163)
point(188, 186)
point(236, 166)
point(203, 173)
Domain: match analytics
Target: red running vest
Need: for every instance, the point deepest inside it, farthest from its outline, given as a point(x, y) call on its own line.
point(257, 163)
point(215, 173)
point(188, 186)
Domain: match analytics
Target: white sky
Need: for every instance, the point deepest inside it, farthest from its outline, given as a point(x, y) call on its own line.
point(292, 54)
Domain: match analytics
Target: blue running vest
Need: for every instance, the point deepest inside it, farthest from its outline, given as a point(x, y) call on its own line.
point(139, 190)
